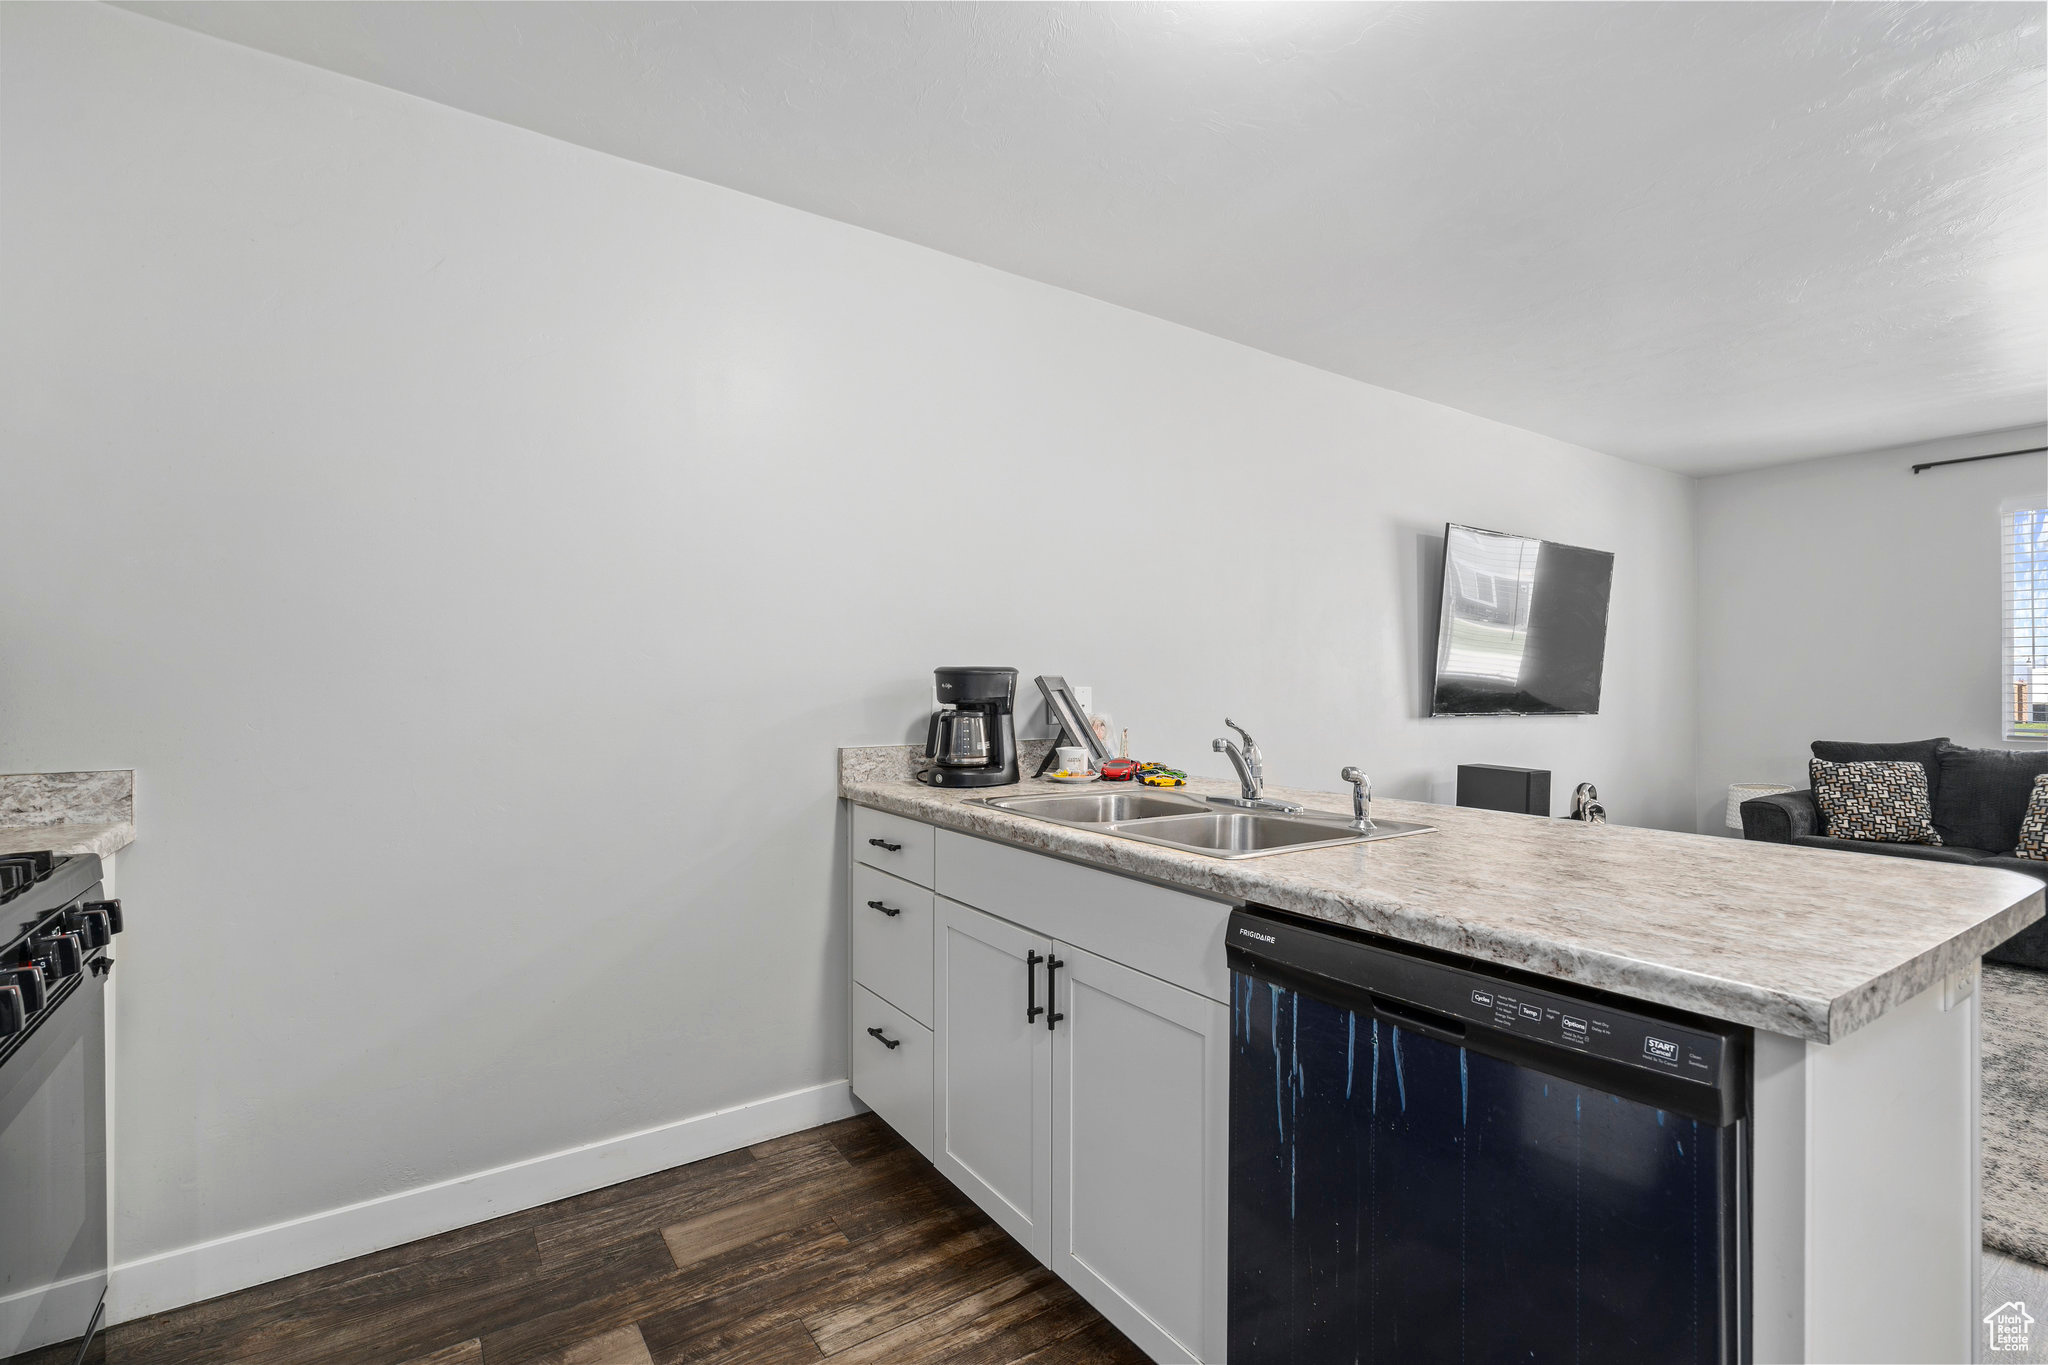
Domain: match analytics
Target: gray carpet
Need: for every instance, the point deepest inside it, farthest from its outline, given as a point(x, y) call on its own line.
point(2013, 1108)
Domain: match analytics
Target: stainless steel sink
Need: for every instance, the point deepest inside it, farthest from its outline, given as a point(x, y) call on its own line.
point(1235, 833)
point(1247, 835)
point(1097, 808)
point(1191, 824)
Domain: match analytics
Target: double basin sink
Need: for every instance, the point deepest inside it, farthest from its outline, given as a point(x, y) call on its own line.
point(1194, 825)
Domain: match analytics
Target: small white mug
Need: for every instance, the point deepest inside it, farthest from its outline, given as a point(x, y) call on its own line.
point(1072, 759)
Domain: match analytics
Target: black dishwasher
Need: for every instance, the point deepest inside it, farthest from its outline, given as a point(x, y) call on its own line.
point(1436, 1160)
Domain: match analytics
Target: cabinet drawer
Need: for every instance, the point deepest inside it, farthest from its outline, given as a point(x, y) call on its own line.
point(894, 844)
point(892, 941)
point(895, 1082)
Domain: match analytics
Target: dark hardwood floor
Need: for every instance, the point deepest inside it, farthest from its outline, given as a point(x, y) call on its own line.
point(837, 1244)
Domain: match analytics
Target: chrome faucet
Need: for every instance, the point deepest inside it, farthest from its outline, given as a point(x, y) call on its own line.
point(1586, 805)
point(1361, 799)
point(1248, 781)
point(1251, 773)
point(1250, 764)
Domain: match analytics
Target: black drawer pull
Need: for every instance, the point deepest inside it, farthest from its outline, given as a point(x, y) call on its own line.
point(890, 910)
point(886, 846)
point(1032, 1009)
point(891, 1043)
point(1052, 1014)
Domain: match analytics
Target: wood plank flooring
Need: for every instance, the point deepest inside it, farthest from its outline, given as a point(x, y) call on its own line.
point(837, 1244)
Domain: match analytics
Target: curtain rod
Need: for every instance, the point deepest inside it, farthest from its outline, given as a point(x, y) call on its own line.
point(1972, 459)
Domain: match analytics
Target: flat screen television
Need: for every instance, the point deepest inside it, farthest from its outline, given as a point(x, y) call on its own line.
point(1524, 626)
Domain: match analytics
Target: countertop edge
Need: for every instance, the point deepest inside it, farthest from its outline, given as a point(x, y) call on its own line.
point(1814, 1018)
point(64, 837)
point(1883, 993)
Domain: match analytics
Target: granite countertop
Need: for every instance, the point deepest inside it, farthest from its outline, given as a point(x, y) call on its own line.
point(67, 812)
point(1801, 941)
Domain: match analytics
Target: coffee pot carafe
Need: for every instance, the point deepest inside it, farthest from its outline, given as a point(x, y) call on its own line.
point(958, 739)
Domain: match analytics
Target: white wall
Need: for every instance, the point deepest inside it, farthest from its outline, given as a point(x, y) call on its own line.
point(478, 545)
point(1851, 599)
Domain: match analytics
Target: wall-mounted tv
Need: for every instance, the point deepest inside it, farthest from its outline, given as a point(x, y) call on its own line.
point(1524, 626)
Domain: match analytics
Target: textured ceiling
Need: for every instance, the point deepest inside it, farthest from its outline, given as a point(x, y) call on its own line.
point(1703, 236)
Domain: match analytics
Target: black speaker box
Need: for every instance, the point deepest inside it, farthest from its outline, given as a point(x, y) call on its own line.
point(1487, 786)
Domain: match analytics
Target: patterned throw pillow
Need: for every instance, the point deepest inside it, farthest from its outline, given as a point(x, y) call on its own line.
point(1882, 802)
point(2034, 828)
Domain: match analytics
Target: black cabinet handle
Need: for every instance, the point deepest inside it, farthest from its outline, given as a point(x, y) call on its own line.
point(1032, 1009)
point(891, 1043)
point(886, 846)
point(890, 910)
point(1052, 1014)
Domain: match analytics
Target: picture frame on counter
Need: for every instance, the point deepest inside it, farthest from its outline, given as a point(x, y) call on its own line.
point(1065, 709)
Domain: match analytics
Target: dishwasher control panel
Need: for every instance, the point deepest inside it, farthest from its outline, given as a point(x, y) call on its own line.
point(1444, 997)
point(1618, 1035)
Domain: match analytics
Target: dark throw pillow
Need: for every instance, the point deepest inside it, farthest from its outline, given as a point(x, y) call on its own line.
point(2034, 824)
point(1984, 795)
point(1926, 752)
point(1881, 802)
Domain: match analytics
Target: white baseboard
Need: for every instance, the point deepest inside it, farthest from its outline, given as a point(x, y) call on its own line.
point(207, 1270)
point(47, 1313)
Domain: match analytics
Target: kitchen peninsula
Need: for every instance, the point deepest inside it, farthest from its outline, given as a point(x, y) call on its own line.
point(1856, 975)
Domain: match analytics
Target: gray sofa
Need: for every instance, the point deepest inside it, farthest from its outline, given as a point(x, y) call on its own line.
point(1978, 795)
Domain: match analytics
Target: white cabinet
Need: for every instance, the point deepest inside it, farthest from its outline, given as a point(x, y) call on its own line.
point(1077, 1087)
point(1098, 1140)
point(1140, 1113)
point(992, 1100)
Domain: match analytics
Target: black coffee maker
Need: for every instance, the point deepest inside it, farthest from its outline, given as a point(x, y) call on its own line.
point(972, 743)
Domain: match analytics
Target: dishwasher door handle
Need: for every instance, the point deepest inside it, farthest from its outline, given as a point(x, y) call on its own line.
point(1401, 1014)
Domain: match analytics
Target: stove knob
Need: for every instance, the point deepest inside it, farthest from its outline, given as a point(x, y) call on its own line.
point(13, 1015)
point(91, 927)
point(113, 909)
point(61, 955)
point(29, 981)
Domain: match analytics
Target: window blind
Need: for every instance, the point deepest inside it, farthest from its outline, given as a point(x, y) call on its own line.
point(2025, 704)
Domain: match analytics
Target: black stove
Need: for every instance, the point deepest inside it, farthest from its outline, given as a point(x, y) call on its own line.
point(52, 932)
point(55, 932)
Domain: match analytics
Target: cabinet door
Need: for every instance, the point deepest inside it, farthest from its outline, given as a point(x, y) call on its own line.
point(993, 1125)
point(1141, 1111)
